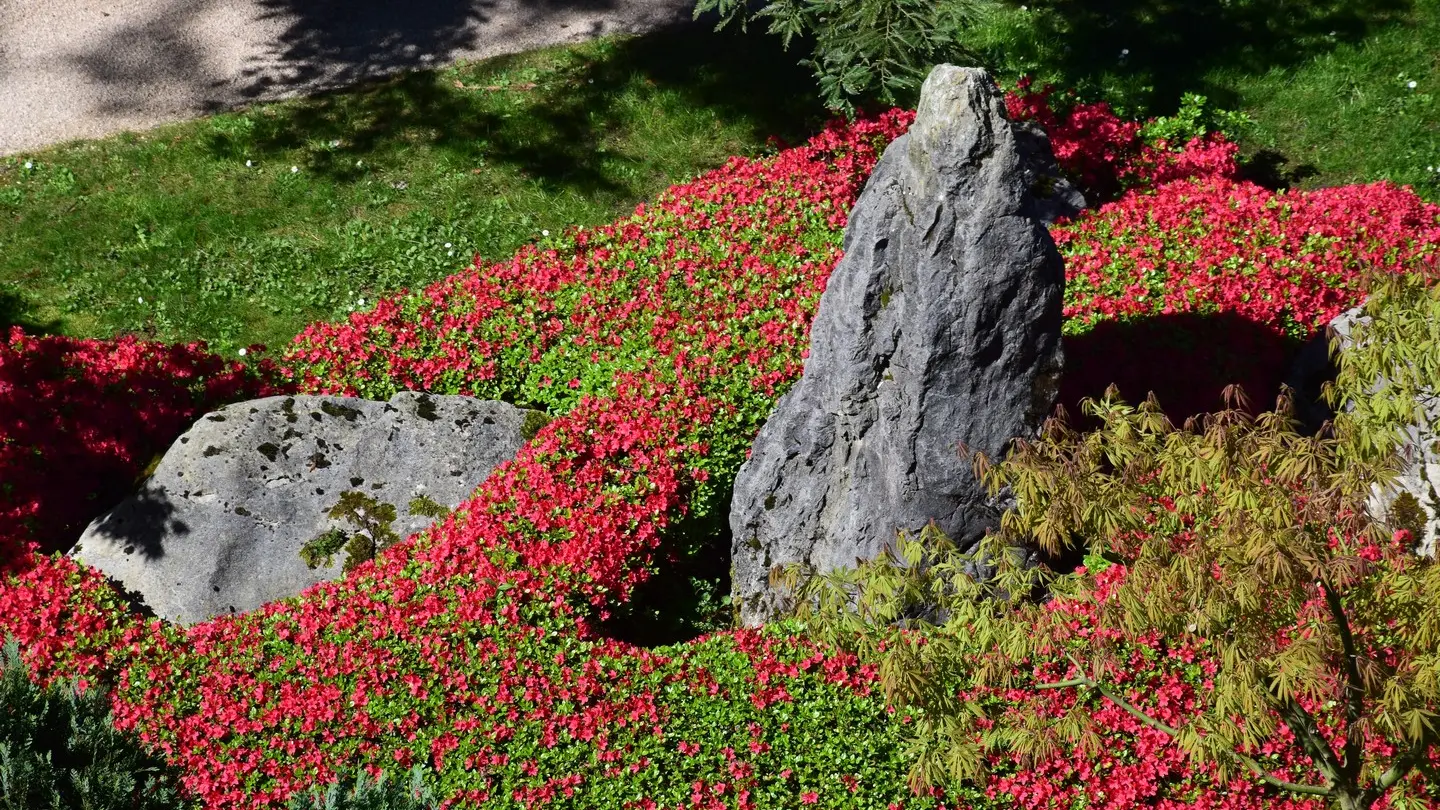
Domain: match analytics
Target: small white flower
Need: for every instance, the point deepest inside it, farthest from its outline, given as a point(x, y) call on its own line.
point(1124, 52)
point(242, 352)
point(334, 144)
point(141, 300)
point(1411, 85)
point(248, 164)
point(294, 169)
point(592, 81)
point(1024, 8)
point(544, 232)
point(447, 244)
point(29, 164)
point(362, 302)
point(357, 163)
point(451, 253)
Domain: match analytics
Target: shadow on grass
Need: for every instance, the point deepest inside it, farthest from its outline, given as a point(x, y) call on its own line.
point(1271, 170)
point(556, 137)
point(13, 311)
point(1173, 44)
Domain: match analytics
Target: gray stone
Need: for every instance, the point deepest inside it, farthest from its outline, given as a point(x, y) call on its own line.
point(219, 525)
point(1055, 196)
point(941, 323)
point(1313, 366)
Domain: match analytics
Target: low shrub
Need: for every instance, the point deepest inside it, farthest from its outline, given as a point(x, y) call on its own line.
point(58, 749)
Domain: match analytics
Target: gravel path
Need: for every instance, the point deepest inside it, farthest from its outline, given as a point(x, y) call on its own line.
point(90, 68)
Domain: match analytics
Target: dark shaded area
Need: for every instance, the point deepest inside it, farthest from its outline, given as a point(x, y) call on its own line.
point(335, 43)
point(152, 53)
point(134, 600)
point(555, 138)
point(1172, 44)
point(140, 522)
point(682, 600)
point(1272, 170)
point(14, 310)
point(1186, 359)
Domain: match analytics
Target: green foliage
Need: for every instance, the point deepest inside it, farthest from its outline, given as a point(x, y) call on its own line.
point(320, 550)
point(59, 750)
point(422, 505)
point(1400, 343)
point(1247, 540)
point(1194, 120)
point(373, 519)
point(364, 795)
point(870, 49)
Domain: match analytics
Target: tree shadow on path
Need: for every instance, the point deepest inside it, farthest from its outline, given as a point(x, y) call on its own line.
point(554, 132)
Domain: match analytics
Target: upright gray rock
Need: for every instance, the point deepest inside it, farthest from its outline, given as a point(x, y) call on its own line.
point(941, 323)
point(1420, 449)
point(219, 526)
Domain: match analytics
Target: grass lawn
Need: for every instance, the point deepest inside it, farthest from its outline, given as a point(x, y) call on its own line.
point(245, 227)
point(1327, 83)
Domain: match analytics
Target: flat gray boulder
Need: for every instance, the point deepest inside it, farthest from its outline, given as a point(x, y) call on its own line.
point(1420, 474)
point(941, 323)
point(219, 526)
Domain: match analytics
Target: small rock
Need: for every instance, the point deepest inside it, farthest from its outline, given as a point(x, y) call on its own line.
point(219, 525)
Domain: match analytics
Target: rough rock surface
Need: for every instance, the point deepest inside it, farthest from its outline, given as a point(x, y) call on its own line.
point(941, 323)
point(1313, 367)
point(219, 525)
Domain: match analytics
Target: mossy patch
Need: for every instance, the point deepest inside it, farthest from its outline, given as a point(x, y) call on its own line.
point(535, 421)
point(1406, 513)
point(374, 520)
point(421, 505)
point(345, 412)
point(149, 470)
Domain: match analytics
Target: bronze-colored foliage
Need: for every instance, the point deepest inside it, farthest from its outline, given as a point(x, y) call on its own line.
point(1248, 538)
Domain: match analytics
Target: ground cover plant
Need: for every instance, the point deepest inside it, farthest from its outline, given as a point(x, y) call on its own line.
point(478, 648)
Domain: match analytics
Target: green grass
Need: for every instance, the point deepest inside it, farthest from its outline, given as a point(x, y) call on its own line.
point(482, 157)
point(1325, 81)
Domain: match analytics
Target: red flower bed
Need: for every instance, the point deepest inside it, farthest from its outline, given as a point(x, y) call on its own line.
point(1227, 275)
point(660, 344)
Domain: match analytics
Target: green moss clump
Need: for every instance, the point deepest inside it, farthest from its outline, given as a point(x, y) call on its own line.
point(421, 505)
point(321, 549)
point(149, 470)
point(534, 422)
point(370, 516)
